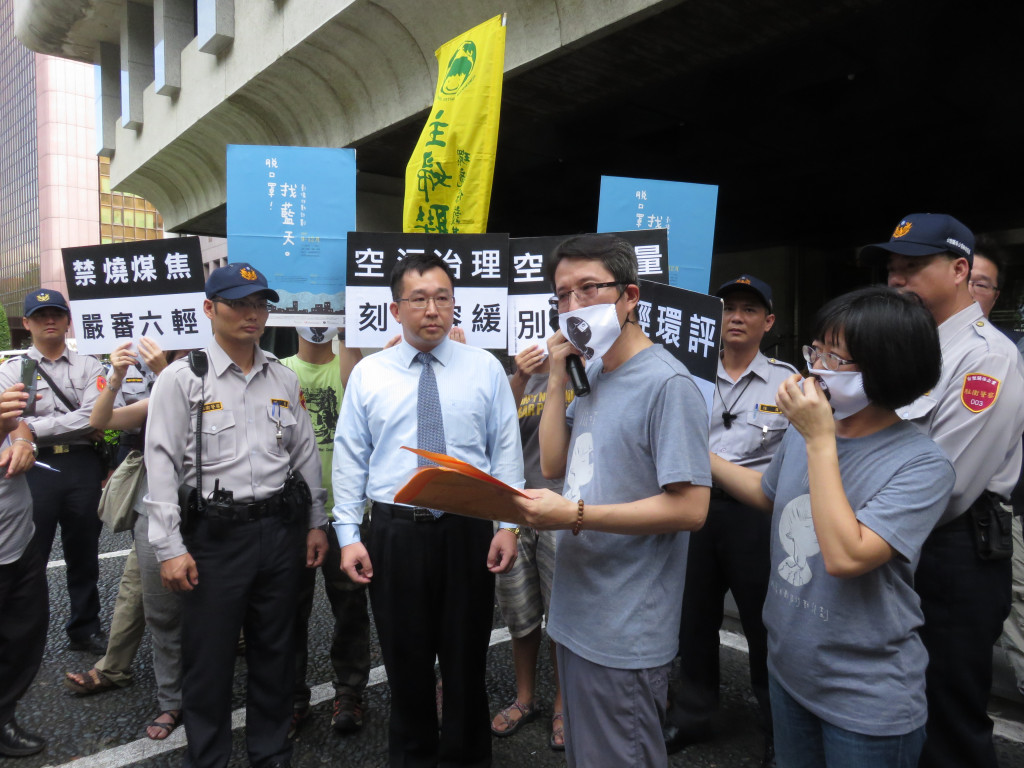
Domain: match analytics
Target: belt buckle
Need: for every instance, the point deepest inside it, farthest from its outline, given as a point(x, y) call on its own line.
point(422, 515)
point(62, 449)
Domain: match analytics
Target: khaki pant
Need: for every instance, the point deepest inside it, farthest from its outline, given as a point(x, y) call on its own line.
point(126, 626)
point(1013, 628)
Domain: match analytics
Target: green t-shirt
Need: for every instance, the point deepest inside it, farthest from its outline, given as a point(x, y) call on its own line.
point(322, 391)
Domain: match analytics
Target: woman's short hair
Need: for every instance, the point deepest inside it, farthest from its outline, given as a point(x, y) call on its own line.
point(890, 336)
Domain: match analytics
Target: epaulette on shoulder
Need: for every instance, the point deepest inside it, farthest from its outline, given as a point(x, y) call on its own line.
point(781, 364)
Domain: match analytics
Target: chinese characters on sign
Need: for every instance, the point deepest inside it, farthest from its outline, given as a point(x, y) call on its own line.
point(529, 288)
point(448, 176)
point(125, 291)
point(686, 211)
point(289, 212)
point(478, 263)
point(688, 325)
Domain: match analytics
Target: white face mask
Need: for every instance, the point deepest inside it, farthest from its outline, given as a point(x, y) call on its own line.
point(317, 335)
point(592, 330)
point(844, 389)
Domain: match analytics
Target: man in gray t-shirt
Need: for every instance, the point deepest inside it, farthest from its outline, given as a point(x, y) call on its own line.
point(637, 475)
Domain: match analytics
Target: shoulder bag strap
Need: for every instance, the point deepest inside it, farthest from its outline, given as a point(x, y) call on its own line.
point(56, 390)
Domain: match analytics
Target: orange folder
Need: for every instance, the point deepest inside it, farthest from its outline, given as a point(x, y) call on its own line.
point(461, 488)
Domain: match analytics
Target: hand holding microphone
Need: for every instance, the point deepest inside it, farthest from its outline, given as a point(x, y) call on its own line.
point(573, 362)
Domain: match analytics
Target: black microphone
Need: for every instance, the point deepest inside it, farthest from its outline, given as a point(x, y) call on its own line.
point(573, 363)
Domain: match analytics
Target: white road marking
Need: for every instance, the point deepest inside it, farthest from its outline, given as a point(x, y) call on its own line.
point(135, 751)
point(103, 556)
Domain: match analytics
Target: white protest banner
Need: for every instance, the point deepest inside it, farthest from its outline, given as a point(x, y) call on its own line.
point(478, 262)
point(123, 291)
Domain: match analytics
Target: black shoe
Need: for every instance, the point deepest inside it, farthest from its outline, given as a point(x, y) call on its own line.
point(299, 715)
point(675, 739)
point(348, 713)
point(95, 643)
point(17, 742)
point(769, 755)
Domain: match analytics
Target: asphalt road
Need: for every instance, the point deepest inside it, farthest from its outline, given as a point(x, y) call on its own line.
point(107, 730)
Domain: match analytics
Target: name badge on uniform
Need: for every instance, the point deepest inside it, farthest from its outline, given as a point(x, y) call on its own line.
point(213, 407)
point(278, 401)
point(766, 408)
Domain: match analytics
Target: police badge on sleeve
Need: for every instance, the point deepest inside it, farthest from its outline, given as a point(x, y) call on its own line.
point(979, 392)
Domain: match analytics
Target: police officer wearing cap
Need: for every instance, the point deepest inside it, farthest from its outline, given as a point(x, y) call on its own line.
point(69, 384)
point(976, 415)
point(731, 550)
point(238, 561)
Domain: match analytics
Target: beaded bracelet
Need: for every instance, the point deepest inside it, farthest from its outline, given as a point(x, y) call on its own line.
point(578, 526)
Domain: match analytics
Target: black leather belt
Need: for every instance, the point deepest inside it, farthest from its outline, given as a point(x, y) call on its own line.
point(412, 514)
point(58, 450)
point(247, 513)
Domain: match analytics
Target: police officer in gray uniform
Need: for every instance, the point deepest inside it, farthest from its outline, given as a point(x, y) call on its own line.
point(24, 598)
point(731, 550)
point(976, 415)
point(68, 497)
point(239, 559)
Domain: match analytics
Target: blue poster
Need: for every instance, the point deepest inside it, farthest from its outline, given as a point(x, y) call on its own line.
point(686, 210)
point(289, 212)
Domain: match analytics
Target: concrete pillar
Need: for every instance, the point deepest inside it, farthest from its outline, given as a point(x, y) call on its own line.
point(215, 22)
point(108, 98)
point(173, 23)
point(136, 60)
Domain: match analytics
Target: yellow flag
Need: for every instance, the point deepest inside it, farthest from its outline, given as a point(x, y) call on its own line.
point(448, 179)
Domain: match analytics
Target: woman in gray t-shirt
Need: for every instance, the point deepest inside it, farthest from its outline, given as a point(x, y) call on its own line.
point(854, 493)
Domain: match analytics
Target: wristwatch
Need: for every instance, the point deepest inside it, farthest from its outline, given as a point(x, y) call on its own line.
point(517, 531)
point(35, 448)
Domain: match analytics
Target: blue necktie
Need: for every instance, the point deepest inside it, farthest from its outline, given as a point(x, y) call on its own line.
point(429, 420)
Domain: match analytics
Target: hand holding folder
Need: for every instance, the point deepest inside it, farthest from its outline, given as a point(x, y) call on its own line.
point(461, 488)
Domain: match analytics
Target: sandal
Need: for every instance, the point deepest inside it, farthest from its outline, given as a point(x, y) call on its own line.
point(557, 732)
point(88, 683)
point(527, 714)
point(168, 728)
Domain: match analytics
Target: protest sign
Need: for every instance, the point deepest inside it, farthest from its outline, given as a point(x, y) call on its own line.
point(686, 211)
point(123, 291)
point(289, 212)
point(479, 264)
point(689, 325)
point(529, 288)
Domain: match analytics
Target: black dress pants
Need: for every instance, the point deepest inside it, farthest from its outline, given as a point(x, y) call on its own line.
point(350, 643)
point(248, 577)
point(731, 551)
point(69, 498)
point(24, 616)
point(965, 600)
point(433, 595)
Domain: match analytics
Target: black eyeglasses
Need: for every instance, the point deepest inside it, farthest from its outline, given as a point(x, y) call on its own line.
point(420, 302)
point(240, 305)
point(585, 294)
point(830, 360)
